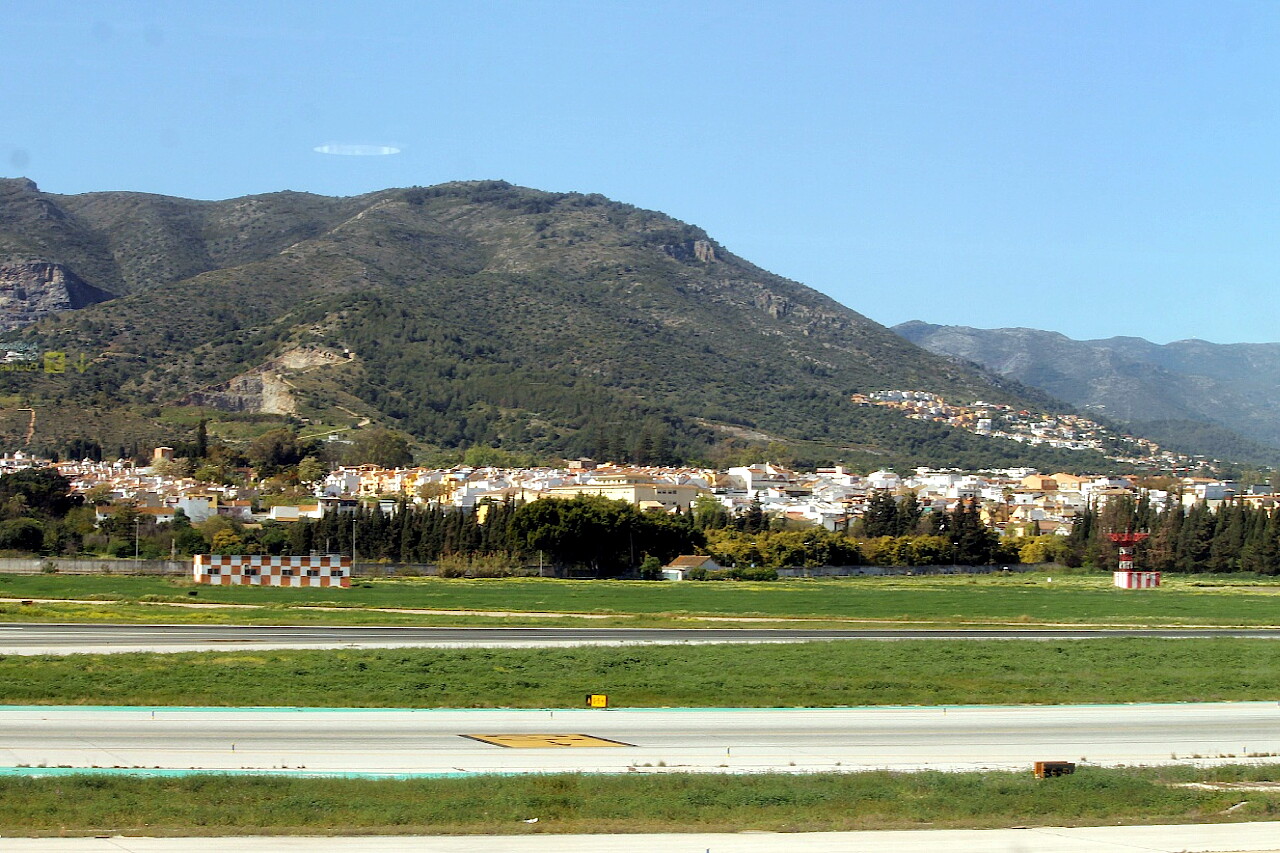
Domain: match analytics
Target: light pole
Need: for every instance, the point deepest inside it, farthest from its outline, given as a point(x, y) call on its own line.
point(137, 521)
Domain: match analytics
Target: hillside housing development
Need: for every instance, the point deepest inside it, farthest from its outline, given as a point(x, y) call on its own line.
point(1061, 431)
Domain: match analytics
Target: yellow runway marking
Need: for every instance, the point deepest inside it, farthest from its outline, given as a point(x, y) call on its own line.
point(545, 741)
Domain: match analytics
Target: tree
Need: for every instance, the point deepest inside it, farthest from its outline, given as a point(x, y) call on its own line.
point(880, 517)
point(378, 446)
point(21, 534)
point(886, 551)
point(214, 524)
point(201, 450)
point(812, 546)
point(99, 495)
point(908, 515)
point(972, 543)
point(650, 568)
point(434, 491)
point(186, 539)
point(1162, 546)
point(1228, 538)
point(1083, 531)
point(1044, 549)
point(277, 449)
point(1195, 539)
point(83, 448)
point(171, 467)
point(121, 523)
point(754, 520)
point(43, 491)
point(1262, 553)
point(71, 531)
point(227, 541)
point(709, 513)
point(311, 470)
point(483, 456)
point(603, 535)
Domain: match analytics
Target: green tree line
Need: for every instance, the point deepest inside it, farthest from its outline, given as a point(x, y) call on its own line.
point(1236, 537)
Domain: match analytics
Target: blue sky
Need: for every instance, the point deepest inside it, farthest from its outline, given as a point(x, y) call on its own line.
point(1095, 168)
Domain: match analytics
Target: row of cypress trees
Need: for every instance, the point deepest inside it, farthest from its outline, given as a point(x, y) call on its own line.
point(1235, 537)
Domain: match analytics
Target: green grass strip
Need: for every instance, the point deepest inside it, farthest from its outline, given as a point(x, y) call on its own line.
point(228, 805)
point(1014, 599)
point(902, 672)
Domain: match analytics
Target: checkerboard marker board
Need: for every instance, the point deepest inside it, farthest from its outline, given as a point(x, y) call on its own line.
point(329, 570)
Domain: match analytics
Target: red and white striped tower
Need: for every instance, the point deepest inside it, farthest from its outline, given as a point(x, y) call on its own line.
point(1125, 576)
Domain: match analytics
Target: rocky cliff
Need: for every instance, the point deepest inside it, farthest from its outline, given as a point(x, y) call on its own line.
point(32, 289)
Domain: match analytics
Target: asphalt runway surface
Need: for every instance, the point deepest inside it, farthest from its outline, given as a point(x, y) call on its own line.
point(43, 638)
point(394, 742)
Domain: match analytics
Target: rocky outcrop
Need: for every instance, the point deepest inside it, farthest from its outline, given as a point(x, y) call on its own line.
point(266, 388)
point(703, 251)
point(244, 393)
point(32, 289)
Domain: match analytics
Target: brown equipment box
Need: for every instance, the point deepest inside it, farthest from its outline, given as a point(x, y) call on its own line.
point(1045, 769)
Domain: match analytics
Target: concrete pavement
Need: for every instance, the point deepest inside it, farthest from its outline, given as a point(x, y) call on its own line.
point(74, 638)
point(651, 740)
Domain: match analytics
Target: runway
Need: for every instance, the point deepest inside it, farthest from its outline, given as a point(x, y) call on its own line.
point(25, 638)
point(433, 742)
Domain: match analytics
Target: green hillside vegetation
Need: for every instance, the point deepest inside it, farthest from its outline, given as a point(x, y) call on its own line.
point(1187, 436)
point(473, 314)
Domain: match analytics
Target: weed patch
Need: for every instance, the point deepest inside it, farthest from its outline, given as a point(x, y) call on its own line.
point(214, 804)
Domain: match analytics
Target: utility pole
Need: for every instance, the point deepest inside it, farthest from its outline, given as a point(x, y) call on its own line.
point(137, 521)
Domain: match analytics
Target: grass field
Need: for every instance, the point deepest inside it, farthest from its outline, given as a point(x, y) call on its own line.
point(228, 805)
point(901, 672)
point(977, 601)
point(278, 614)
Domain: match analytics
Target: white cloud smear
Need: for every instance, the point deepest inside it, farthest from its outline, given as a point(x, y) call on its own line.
point(348, 150)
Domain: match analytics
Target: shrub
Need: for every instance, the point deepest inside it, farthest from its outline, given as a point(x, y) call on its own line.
point(754, 573)
point(497, 565)
point(651, 568)
point(742, 573)
point(21, 534)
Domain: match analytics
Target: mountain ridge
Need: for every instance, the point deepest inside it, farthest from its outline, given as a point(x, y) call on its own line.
point(476, 313)
point(1189, 390)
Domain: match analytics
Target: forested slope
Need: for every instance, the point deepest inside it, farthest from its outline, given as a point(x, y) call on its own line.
point(465, 314)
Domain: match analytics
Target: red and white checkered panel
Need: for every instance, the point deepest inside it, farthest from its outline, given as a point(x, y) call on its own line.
point(259, 570)
point(1137, 580)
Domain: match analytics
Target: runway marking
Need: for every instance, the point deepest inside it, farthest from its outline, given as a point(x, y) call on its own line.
point(546, 741)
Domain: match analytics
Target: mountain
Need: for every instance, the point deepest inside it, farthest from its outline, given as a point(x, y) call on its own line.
point(1219, 399)
point(475, 313)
